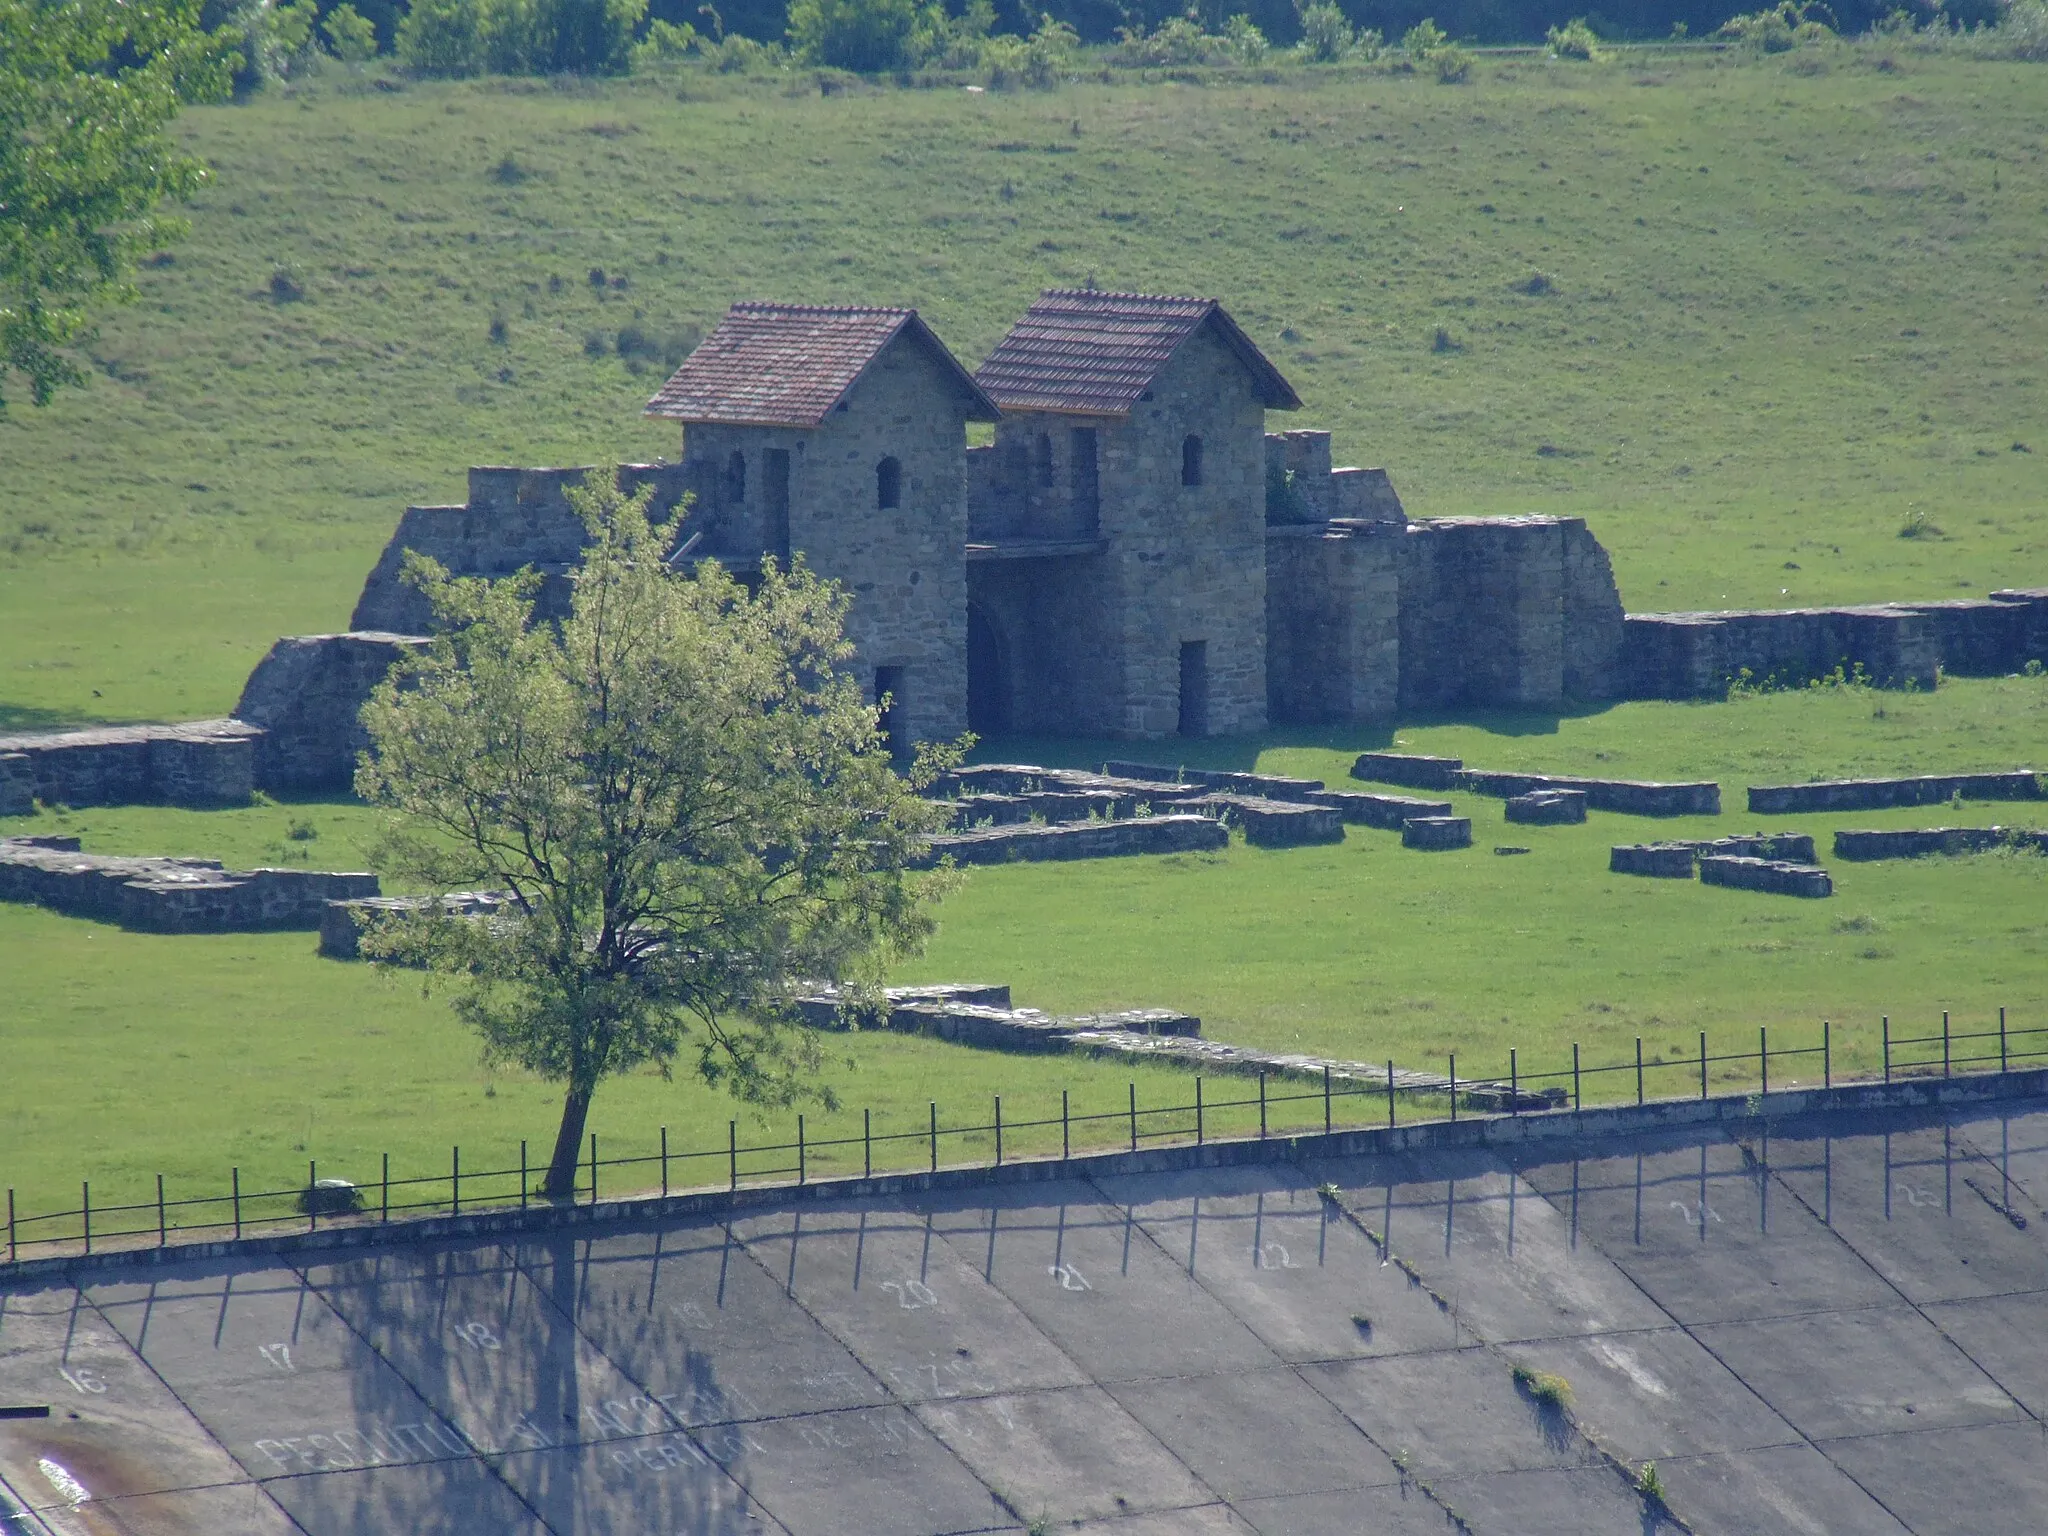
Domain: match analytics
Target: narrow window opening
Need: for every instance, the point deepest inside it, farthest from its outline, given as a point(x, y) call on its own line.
point(1194, 688)
point(1043, 455)
point(888, 484)
point(1191, 460)
point(1083, 480)
point(736, 477)
point(889, 701)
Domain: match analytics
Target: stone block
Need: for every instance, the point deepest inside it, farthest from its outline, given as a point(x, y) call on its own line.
point(1437, 832)
point(1548, 807)
point(1874, 794)
point(1773, 875)
point(1792, 847)
point(1274, 823)
point(1697, 655)
point(204, 770)
point(308, 694)
point(828, 1008)
point(198, 763)
point(17, 784)
point(972, 811)
point(1415, 771)
point(1269, 786)
point(997, 1029)
point(1178, 833)
point(1386, 812)
point(1919, 842)
point(169, 895)
point(1630, 797)
point(1141, 1021)
point(1663, 861)
point(342, 920)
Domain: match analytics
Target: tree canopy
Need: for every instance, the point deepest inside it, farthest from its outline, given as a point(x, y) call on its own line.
point(87, 91)
point(684, 790)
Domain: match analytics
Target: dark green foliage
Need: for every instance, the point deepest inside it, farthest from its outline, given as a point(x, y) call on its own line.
point(458, 38)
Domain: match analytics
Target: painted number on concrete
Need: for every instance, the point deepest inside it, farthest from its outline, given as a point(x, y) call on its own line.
point(1070, 1278)
point(912, 1294)
point(279, 1355)
point(478, 1336)
point(1705, 1213)
point(1275, 1256)
point(83, 1378)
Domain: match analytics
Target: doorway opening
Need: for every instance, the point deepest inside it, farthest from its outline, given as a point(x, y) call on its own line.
point(1194, 687)
point(988, 691)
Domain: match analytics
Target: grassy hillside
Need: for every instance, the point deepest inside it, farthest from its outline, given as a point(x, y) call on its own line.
point(1747, 316)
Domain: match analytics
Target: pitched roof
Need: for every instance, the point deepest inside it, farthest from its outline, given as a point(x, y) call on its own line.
point(1079, 350)
point(788, 365)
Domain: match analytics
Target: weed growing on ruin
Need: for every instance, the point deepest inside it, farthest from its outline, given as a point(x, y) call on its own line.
point(1650, 1484)
point(1543, 1388)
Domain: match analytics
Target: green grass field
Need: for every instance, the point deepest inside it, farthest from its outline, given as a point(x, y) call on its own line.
point(1789, 304)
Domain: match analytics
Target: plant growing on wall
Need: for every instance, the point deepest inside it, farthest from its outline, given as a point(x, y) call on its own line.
point(685, 791)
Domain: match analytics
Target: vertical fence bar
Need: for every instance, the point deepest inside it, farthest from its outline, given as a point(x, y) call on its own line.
point(1887, 1047)
point(1262, 1106)
point(867, 1144)
point(1827, 1055)
point(732, 1151)
point(2001, 1040)
point(1703, 1066)
point(1639, 1069)
point(1134, 1117)
point(525, 1178)
point(383, 1197)
point(1390, 1093)
point(1454, 1087)
point(1326, 1101)
point(235, 1186)
point(1578, 1098)
point(593, 1170)
point(1763, 1057)
point(1514, 1084)
point(935, 1135)
point(800, 1170)
point(161, 1239)
point(85, 1205)
point(1198, 1111)
point(664, 1162)
point(999, 1130)
point(1944, 1042)
point(455, 1181)
point(10, 1223)
point(1066, 1146)
point(312, 1183)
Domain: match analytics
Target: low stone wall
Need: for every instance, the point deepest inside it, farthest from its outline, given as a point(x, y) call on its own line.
point(199, 763)
point(308, 694)
point(1268, 786)
point(1773, 875)
point(1030, 779)
point(1875, 794)
point(1919, 842)
point(1178, 833)
point(1791, 847)
point(1547, 807)
point(1697, 655)
point(1386, 812)
point(342, 922)
point(972, 811)
point(169, 895)
point(1273, 823)
point(1437, 832)
point(1416, 772)
point(1662, 861)
point(1631, 797)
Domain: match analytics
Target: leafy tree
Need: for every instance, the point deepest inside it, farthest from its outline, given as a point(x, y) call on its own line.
point(459, 38)
point(1326, 36)
point(87, 90)
point(685, 792)
point(350, 34)
point(864, 35)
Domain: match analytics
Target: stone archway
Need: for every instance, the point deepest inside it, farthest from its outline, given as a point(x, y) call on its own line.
point(988, 681)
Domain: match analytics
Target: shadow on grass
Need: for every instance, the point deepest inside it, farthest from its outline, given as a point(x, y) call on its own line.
point(30, 717)
point(1242, 752)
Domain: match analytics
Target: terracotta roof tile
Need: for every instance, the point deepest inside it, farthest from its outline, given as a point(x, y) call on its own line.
point(787, 365)
point(1080, 350)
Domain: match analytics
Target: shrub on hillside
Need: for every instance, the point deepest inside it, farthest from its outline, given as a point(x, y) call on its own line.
point(1179, 41)
point(1428, 47)
point(1326, 34)
point(2021, 33)
point(1574, 40)
point(1036, 61)
point(453, 39)
point(869, 36)
point(1779, 28)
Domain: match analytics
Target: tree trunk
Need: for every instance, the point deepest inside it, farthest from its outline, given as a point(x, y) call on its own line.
point(561, 1183)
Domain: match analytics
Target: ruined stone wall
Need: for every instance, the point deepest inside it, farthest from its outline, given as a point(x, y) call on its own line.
point(1593, 621)
point(1333, 635)
point(308, 694)
point(1315, 492)
point(1696, 655)
point(199, 763)
point(513, 518)
point(1482, 612)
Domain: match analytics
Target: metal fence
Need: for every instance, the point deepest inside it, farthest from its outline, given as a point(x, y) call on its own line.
point(1283, 1105)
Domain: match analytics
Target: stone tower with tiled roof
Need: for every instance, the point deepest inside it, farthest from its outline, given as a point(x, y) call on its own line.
point(839, 433)
point(1116, 557)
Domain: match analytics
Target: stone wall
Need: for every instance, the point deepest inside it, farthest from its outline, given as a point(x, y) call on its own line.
point(1920, 842)
point(1410, 769)
point(169, 895)
point(1333, 622)
point(199, 763)
point(1874, 794)
point(1631, 797)
point(1775, 876)
point(1697, 655)
point(308, 695)
point(1176, 833)
point(1268, 786)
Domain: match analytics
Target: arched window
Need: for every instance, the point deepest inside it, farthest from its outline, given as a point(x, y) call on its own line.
point(888, 484)
point(1191, 460)
point(1043, 450)
point(736, 476)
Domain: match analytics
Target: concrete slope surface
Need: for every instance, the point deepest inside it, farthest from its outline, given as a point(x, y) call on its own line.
point(1833, 1325)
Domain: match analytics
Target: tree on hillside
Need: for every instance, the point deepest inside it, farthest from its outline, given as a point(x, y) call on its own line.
point(684, 790)
point(87, 90)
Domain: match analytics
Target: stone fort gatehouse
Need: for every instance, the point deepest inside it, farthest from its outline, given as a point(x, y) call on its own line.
point(1134, 555)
